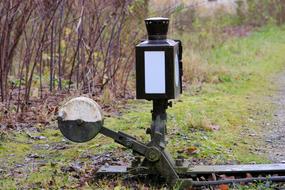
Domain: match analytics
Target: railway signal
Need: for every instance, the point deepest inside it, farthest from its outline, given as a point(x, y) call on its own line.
point(158, 79)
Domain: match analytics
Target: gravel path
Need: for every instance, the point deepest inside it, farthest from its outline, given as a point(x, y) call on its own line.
point(275, 139)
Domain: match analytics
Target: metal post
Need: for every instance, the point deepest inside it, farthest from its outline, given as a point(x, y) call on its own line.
point(158, 126)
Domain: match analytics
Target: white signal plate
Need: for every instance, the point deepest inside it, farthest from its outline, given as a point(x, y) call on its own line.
point(82, 108)
point(154, 72)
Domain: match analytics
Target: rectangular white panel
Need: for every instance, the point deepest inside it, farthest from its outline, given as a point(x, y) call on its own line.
point(154, 72)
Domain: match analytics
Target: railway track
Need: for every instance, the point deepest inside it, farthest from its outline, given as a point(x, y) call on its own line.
point(210, 175)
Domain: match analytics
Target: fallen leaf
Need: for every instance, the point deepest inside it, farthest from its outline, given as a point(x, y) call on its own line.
point(192, 150)
point(223, 187)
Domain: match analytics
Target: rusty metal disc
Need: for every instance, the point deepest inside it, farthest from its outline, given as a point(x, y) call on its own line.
point(80, 119)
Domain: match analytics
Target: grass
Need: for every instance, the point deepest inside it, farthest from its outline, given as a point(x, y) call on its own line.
point(247, 65)
point(231, 96)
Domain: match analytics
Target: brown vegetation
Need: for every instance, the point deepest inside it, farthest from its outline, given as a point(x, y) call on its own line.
point(49, 47)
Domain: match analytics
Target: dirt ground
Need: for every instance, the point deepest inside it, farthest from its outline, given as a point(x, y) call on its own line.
point(275, 138)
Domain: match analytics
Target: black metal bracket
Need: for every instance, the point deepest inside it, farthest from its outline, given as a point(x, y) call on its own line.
point(157, 159)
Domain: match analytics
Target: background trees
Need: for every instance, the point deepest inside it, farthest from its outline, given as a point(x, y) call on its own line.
point(65, 45)
point(57, 47)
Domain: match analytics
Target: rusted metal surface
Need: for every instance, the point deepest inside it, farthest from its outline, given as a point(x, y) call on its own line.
point(236, 181)
point(264, 172)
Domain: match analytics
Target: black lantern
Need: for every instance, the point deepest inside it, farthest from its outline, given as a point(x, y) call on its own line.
point(158, 63)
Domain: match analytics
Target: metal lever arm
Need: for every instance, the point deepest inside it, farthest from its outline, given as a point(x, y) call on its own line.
point(154, 155)
point(125, 140)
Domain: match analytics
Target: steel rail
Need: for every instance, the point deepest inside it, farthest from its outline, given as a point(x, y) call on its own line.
point(243, 180)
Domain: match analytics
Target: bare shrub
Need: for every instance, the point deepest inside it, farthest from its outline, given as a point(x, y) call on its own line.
point(49, 47)
point(84, 42)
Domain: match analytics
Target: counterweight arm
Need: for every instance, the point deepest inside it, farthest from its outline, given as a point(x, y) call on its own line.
point(125, 140)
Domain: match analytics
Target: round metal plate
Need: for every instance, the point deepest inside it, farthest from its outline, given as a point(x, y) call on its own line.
point(80, 119)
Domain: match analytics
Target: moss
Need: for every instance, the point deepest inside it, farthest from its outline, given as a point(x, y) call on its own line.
point(8, 184)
